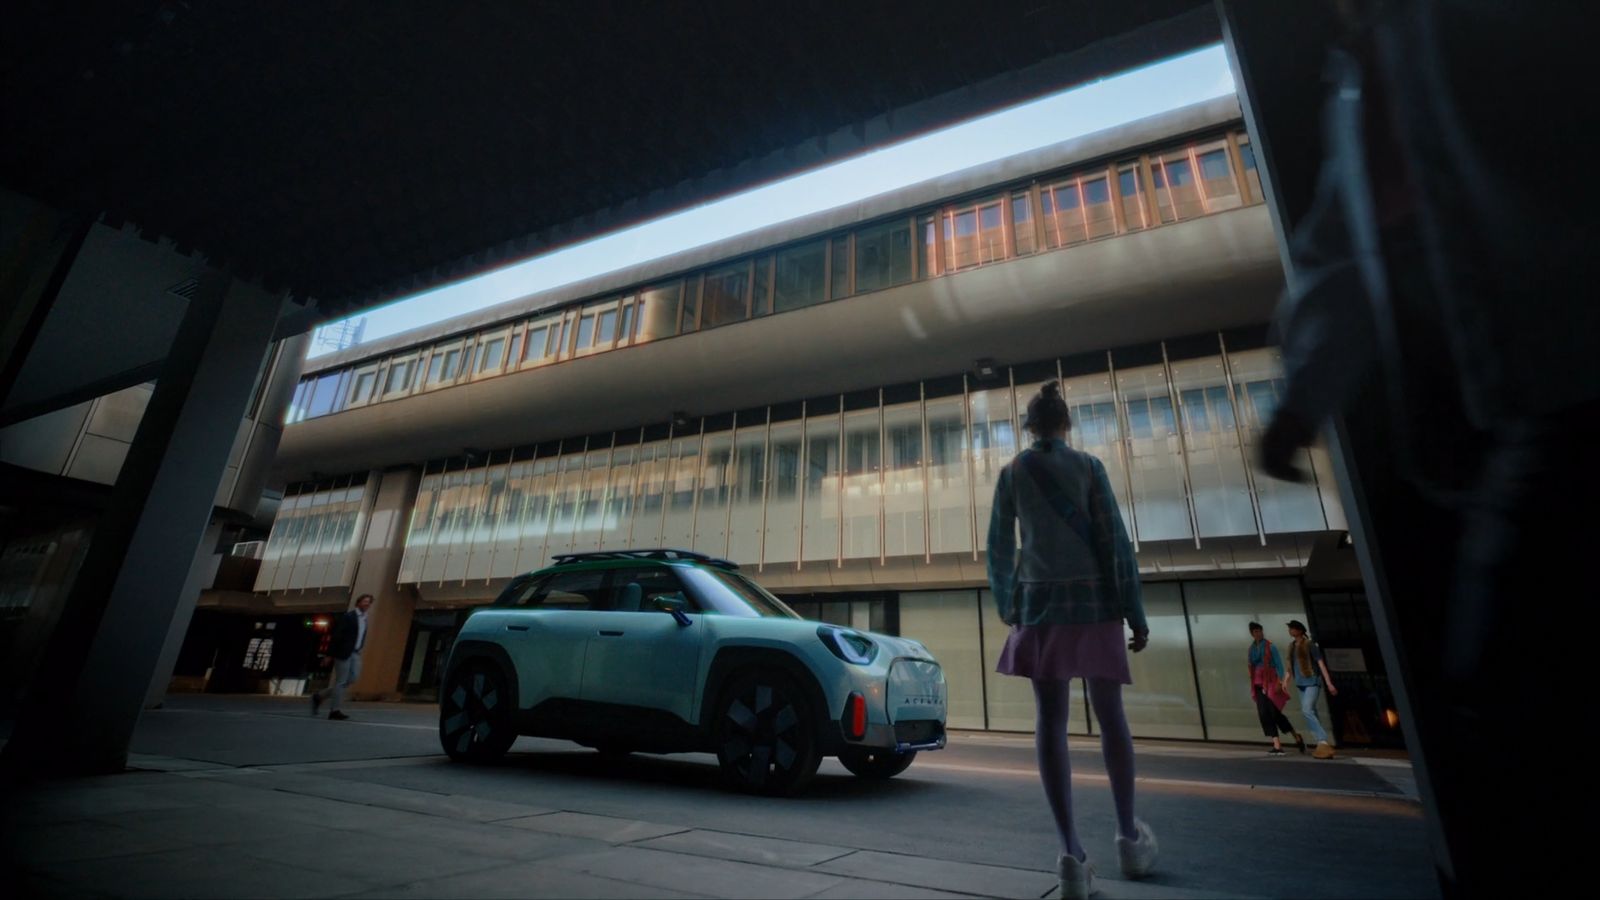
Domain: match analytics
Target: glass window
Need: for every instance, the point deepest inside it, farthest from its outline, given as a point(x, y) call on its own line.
point(625, 331)
point(711, 519)
point(444, 365)
point(883, 255)
point(655, 460)
point(946, 622)
point(490, 354)
point(660, 316)
point(1160, 504)
point(1022, 221)
point(585, 331)
point(994, 443)
point(1216, 176)
point(841, 267)
point(691, 304)
point(821, 525)
point(1177, 195)
point(617, 531)
point(298, 405)
point(782, 541)
point(760, 296)
point(569, 590)
point(862, 483)
point(324, 394)
point(904, 491)
point(1130, 189)
point(1095, 431)
point(606, 328)
point(949, 492)
point(1163, 701)
point(361, 391)
point(726, 299)
point(973, 235)
point(678, 530)
point(399, 378)
point(591, 501)
point(1285, 505)
point(636, 590)
point(1219, 616)
point(928, 264)
point(534, 528)
point(733, 594)
point(1216, 461)
point(749, 481)
point(1247, 158)
point(1009, 701)
point(536, 344)
point(1078, 209)
point(799, 277)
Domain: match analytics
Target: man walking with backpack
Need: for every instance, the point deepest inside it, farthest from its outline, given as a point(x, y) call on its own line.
point(344, 646)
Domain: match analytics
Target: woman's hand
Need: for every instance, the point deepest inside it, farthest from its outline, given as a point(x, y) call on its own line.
point(1141, 640)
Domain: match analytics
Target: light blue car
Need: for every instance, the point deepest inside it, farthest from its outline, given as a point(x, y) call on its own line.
point(667, 651)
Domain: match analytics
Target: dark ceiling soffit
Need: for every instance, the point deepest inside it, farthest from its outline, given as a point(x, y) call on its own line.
point(1151, 43)
point(355, 159)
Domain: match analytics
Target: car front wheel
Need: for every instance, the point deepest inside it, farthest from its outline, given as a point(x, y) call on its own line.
point(873, 762)
point(475, 715)
point(765, 734)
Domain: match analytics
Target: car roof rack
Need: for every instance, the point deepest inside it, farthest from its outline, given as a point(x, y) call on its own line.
point(666, 554)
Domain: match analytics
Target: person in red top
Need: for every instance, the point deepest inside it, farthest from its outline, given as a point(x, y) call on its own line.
point(1266, 690)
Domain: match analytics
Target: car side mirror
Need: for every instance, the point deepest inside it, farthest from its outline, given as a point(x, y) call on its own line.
point(674, 604)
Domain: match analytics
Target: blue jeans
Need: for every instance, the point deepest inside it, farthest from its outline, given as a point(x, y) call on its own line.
point(1308, 708)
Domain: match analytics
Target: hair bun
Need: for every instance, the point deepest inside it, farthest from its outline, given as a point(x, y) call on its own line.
point(1050, 389)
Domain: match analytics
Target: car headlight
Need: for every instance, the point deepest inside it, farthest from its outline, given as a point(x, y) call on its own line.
point(848, 645)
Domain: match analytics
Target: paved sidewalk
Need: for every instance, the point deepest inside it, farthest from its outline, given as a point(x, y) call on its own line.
point(180, 828)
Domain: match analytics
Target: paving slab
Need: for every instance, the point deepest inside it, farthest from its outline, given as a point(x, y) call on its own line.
point(917, 871)
point(611, 829)
point(746, 848)
point(710, 877)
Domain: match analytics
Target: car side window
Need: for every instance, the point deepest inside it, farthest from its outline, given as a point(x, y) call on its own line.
point(520, 592)
point(569, 590)
point(635, 590)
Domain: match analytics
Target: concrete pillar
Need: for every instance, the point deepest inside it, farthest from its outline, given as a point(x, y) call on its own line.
point(201, 575)
point(38, 246)
point(85, 700)
point(389, 619)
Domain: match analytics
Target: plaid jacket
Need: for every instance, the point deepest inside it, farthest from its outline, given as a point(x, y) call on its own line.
point(1076, 564)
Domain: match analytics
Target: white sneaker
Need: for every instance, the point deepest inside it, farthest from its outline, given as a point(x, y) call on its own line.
point(1077, 878)
point(1138, 856)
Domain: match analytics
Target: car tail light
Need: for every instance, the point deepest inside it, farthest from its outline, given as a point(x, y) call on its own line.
point(855, 717)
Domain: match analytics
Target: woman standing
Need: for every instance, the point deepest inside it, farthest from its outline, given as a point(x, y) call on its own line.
point(1066, 595)
point(1267, 692)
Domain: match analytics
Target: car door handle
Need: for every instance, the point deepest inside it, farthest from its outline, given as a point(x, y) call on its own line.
point(610, 633)
point(516, 628)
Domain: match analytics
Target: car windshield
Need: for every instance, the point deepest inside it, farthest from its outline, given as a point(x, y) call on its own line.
point(732, 594)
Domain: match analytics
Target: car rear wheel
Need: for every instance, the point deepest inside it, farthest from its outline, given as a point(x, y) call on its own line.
point(765, 734)
point(475, 715)
point(875, 762)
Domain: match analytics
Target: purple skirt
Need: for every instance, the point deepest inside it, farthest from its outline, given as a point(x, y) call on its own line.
point(1061, 652)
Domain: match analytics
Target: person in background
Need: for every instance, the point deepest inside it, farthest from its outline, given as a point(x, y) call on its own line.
point(349, 636)
point(1308, 672)
point(1266, 690)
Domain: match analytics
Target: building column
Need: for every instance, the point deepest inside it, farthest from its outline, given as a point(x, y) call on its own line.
point(84, 701)
point(37, 250)
point(201, 574)
point(389, 619)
